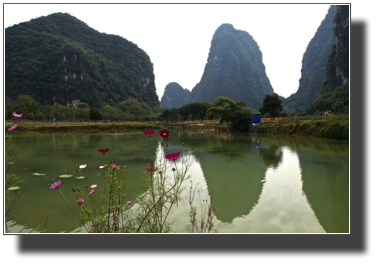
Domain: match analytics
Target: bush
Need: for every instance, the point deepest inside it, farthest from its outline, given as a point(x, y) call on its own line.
point(95, 114)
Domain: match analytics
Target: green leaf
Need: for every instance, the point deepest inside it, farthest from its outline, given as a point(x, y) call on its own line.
point(13, 188)
point(65, 176)
point(81, 177)
point(38, 174)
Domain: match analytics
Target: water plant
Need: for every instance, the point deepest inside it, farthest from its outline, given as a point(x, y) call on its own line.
point(107, 210)
point(11, 181)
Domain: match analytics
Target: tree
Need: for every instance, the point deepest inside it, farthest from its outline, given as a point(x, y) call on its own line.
point(95, 114)
point(272, 105)
point(198, 109)
point(234, 112)
point(174, 114)
point(25, 104)
point(323, 104)
point(310, 110)
point(166, 115)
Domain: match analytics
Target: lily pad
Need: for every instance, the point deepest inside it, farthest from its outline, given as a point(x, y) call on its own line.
point(13, 188)
point(38, 174)
point(81, 177)
point(65, 176)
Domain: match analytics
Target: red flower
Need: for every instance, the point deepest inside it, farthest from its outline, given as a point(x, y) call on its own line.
point(172, 156)
point(149, 132)
point(151, 169)
point(164, 133)
point(103, 151)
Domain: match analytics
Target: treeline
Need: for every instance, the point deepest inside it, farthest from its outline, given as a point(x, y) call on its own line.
point(127, 110)
point(191, 111)
point(221, 108)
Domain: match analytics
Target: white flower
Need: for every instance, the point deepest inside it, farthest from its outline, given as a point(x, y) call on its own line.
point(82, 166)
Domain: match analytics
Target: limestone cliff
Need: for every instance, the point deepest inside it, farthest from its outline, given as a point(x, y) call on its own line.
point(336, 83)
point(313, 65)
point(58, 59)
point(174, 96)
point(234, 69)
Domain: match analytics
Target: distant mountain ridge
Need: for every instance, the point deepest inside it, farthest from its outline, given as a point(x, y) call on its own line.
point(58, 58)
point(174, 96)
point(234, 69)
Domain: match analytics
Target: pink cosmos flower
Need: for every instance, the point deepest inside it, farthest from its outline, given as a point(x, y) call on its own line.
point(114, 165)
point(257, 141)
point(172, 156)
point(12, 127)
point(82, 166)
point(16, 115)
point(80, 201)
point(92, 191)
point(149, 132)
point(109, 215)
point(151, 169)
point(128, 201)
point(94, 186)
point(55, 185)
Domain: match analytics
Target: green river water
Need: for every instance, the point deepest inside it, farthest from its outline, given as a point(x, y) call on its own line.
point(255, 183)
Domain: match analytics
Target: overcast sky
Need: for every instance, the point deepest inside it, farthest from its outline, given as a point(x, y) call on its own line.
point(177, 37)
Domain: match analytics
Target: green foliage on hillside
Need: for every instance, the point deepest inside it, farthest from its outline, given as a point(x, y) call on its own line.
point(58, 58)
point(234, 69)
point(313, 65)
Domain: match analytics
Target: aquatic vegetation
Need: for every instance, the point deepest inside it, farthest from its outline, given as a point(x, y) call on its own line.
point(107, 211)
point(65, 176)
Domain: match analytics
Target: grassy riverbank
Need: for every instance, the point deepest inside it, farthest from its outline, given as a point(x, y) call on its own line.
point(336, 127)
point(80, 126)
point(110, 127)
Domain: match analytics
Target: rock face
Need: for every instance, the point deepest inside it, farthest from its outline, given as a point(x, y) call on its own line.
point(234, 69)
point(313, 65)
point(58, 59)
point(336, 83)
point(174, 96)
